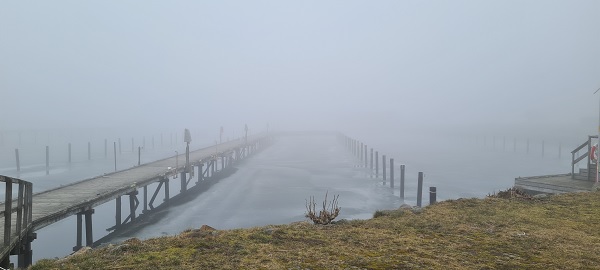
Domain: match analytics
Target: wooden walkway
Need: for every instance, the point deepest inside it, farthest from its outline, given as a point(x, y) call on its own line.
point(81, 197)
point(560, 183)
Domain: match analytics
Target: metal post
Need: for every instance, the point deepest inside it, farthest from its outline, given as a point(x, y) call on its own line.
point(402, 169)
point(47, 160)
point(420, 189)
point(392, 173)
point(18, 160)
point(432, 195)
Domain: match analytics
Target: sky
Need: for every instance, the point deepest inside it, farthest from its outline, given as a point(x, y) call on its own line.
point(509, 66)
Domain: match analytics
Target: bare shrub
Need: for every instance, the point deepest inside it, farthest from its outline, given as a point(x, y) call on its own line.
point(329, 213)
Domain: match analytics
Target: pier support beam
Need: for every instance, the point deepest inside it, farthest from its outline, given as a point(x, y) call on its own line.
point(89, 239)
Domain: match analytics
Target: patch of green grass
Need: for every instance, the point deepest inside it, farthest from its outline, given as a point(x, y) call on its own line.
point(558, 232)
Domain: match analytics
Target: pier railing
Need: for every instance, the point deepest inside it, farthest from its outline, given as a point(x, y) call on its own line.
point(576, 157)
point(16, 213)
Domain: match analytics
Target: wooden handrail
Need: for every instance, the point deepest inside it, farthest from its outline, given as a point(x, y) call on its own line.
point(23, 209)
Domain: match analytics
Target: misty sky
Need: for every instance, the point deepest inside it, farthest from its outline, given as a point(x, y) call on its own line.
point(299, 64)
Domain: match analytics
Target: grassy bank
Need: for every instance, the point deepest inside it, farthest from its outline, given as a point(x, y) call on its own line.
point(557, 232)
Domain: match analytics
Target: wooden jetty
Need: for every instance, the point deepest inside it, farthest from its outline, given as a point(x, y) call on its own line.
point(80, 198)
point(582, 180)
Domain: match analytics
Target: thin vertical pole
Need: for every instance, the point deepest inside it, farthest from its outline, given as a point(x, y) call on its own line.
point(371, 160)
point(543, 148)
point(376, 164)
point(18, 160)
point(69, 152)
point(365, 155)
point(420, 189)
point(383, 169)
point(139, 156)
point(402, 169)
point(115, 151)
point(392, 173)
point(47, 160)
point(89, 151)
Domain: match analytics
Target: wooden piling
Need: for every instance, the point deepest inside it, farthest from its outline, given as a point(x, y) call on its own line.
point(420, 189)
point(392, 173)
point(365, 155)
point(18, 159)
point(383, 169)
point(402, 170)
point(118, 212)
point(115, 151)
point(89, 239)
point(432, 195)
point(376, 164)
point(47, 160)
point(371, 160)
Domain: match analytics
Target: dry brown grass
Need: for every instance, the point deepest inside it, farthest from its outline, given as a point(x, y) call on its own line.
point(558, 232)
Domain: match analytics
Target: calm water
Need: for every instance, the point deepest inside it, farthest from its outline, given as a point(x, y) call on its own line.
point(271, 187)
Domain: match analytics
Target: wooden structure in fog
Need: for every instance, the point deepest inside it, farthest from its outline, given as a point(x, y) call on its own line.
point(80, 198)
point(581, 180)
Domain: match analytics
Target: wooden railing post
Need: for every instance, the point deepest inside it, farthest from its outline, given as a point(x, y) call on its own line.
point(7, 210)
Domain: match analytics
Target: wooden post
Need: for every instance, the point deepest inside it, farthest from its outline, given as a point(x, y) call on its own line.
point(402, 169)
point(18, 160)
point(559, 150)
point(432, 195)
point(89, 239)
point(47, 160)
point(7, 211)
point(365, 155)
point(376, 164)
point(89, 151)
point(139, 156)
point(200, 176)
point(145, 199)
point(79, 239)
point(371, 160)
point(115, 151)
point(132, 199)
point(360, 150)
point(383, 169)
point(118, 213)
point(420, 189)
point(69, 152)
point(392, 173)
point(543, 148)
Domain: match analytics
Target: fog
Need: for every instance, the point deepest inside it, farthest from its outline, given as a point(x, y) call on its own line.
point(513, 68)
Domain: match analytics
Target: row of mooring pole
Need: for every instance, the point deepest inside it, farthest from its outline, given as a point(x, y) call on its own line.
point(527, 146)
point(22, 141)
point(69, 155)
point(360, 150)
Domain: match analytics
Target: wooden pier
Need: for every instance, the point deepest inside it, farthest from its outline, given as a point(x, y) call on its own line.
point(576, 181)
point(81, 197)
